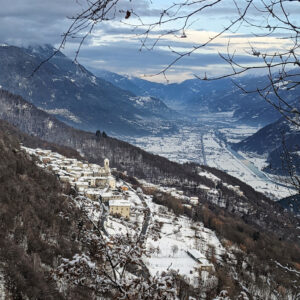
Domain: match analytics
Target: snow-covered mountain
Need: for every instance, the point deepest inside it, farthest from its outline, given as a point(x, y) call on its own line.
point(275, 141)
point(77, 97)
point(195, 96)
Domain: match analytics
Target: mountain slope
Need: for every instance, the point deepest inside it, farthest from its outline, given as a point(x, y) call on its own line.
point(144, 165)
point(195, 96)
point(43, 240)
point(275, 141)
point(291, 203)
point(35, 229)
point(76, 96)
point(122, 155)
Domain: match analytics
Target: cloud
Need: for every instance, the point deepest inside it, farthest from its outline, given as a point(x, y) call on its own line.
point(38, 21)
point(115, 46)
point(125, 58)
point(31, 21)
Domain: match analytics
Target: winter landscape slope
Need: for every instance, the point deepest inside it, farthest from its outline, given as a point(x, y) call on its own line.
point(291, 203)
point(275, 141)
point(243, 201)
point(76, 96)
point(248, 261)
point(33, 230)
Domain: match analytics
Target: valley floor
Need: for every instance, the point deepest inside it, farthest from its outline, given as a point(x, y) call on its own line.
point(207, 143)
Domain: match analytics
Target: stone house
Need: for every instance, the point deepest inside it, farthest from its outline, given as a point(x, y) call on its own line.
point(119, 207)
point(194, 200)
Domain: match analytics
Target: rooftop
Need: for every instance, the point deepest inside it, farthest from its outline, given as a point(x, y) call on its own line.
point(119, 203)
point(196, 254)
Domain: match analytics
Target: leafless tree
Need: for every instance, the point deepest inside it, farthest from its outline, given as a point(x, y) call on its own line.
point(264, 18)
point(174, 249)
point(112, 265)
point(261, 19)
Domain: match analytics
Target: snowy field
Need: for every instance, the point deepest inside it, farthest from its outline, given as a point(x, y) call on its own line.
point(202, 145)
point(238, 133)
point(218, 156)
point(170, 237)
point(180, 147)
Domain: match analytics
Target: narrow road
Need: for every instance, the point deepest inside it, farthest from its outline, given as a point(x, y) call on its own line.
point(203, 151)
point(147, 214)
point(103, 219)
point(147, 217)
point(248, 164)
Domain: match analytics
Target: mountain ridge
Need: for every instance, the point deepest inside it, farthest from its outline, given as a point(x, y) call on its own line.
point(76, 96)
point(276, 141)
point(195, 96)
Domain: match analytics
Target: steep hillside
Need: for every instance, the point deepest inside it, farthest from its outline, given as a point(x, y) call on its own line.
point(291, 203)
point(124, 156)
point(153, 168)
point(275, 141)
point(37, 224)
point(68, 91)
point(51, 251)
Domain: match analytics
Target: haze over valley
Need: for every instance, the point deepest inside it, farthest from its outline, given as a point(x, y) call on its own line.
point(150, 151)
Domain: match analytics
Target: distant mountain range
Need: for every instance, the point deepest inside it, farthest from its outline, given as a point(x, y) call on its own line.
point(77, 97)
point(123, 105)
point(195, 96)
point(275, 141)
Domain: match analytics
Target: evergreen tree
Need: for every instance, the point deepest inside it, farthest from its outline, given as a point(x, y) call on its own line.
point(98, 134)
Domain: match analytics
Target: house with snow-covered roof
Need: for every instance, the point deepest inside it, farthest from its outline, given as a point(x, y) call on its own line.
point(201, 259)
point(194, 200)
point(110, 195)
point(92, 194)
point(119, 207)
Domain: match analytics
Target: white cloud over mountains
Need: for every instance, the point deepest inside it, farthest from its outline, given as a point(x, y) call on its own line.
point(115, 46)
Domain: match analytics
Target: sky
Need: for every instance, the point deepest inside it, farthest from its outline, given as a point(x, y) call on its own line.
point(115, 45)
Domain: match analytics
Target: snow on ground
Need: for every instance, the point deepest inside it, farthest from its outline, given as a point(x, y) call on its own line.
point(172, 237)
point(2, 287)
point(181, 147)
point(62, 112)
point(115, 225)
point(209, 176)
point(238, 133)
point(258, 160)
point(218, 156)
point(202, 145)
point(167, 237)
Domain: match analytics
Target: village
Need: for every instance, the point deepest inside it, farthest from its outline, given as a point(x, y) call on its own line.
point(127, 209)
point(89, 180)
point(97, 183)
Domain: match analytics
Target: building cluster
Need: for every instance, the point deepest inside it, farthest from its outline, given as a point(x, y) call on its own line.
point(172, 191)
point(90, 180)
